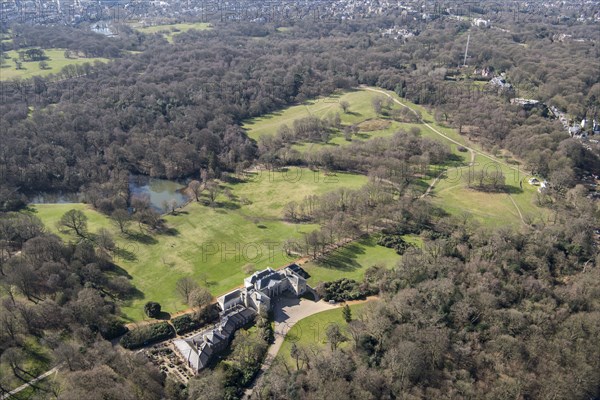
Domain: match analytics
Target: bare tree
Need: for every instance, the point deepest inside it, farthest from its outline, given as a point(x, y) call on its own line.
point(213, 191)
point(248, 269)
point(121, 219)
point(73, 221)
point(199, 297)
point(345, 106)
point(290, 211)
point(334, 336)
point(185, 286)
point(196, 188)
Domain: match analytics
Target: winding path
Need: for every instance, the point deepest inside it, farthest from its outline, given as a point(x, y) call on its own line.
point(518, 209)
point(472, 150)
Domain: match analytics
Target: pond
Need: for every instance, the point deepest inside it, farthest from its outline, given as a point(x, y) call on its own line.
point(55, 198)
point(159, 191)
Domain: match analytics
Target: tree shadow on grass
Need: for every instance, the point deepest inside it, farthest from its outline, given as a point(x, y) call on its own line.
point(114, 268)
point(165, 316)
point(141, 238)
point(342, 259)
point(354, 113)
point(35, 354)
point(133, 294)
point(227, 205)
point(124, 254)
point(168, 231)
point(503, 189)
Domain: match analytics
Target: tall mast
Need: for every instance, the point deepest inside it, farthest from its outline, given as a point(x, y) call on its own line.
point(467, 50)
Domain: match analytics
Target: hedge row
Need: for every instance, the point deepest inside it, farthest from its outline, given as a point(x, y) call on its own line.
point(185, 323)
point(146, 335)
point(344, 289)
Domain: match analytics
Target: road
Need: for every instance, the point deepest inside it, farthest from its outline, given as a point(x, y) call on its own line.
point(287, 312)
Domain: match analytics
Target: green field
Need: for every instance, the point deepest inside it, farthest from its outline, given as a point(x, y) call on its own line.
point(452, 193)
point(171, 30)
point(56, 61)
point(352, 260)
point(211, 244)
point(489, 209)
point(360, 110)
point(310, 331)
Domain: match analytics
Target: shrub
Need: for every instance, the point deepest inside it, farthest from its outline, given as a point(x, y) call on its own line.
point(188, 322)
point(146, 335)
point(152, 309)
point(113, 330)
point(345, 289)
point(394, 241)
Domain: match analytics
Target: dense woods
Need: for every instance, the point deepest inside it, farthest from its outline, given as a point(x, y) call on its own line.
point(172, 110)
point(472, 314)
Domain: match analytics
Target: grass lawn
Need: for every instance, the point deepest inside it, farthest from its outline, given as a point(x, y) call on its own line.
point(210, 244)
point(490, 209)
point(360, 110)
point(56, 61)
point(171, 30)
point(310, 331)
point(352, 260)
point(451, 192)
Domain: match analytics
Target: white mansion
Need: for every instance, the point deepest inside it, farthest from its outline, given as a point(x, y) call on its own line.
point(238, 308)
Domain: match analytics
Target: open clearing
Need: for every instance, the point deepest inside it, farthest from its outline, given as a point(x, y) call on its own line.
point(359, 113)
point(56, 61)
point(452, 193)
point(211, 244)
point(352, 260)
point(171, 30)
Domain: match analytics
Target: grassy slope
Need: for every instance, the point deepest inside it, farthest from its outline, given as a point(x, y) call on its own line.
point(310, 331)
point(360, 110)
point(352, 260)
point(56, 61)
point(489, 209)
point(232, 230)
point(211, 242)
point(171, 30)
point(37, 361)
point(451, 192)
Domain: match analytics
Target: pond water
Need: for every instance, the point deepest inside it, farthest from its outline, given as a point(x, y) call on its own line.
point(54, 198)
point(159, 191)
